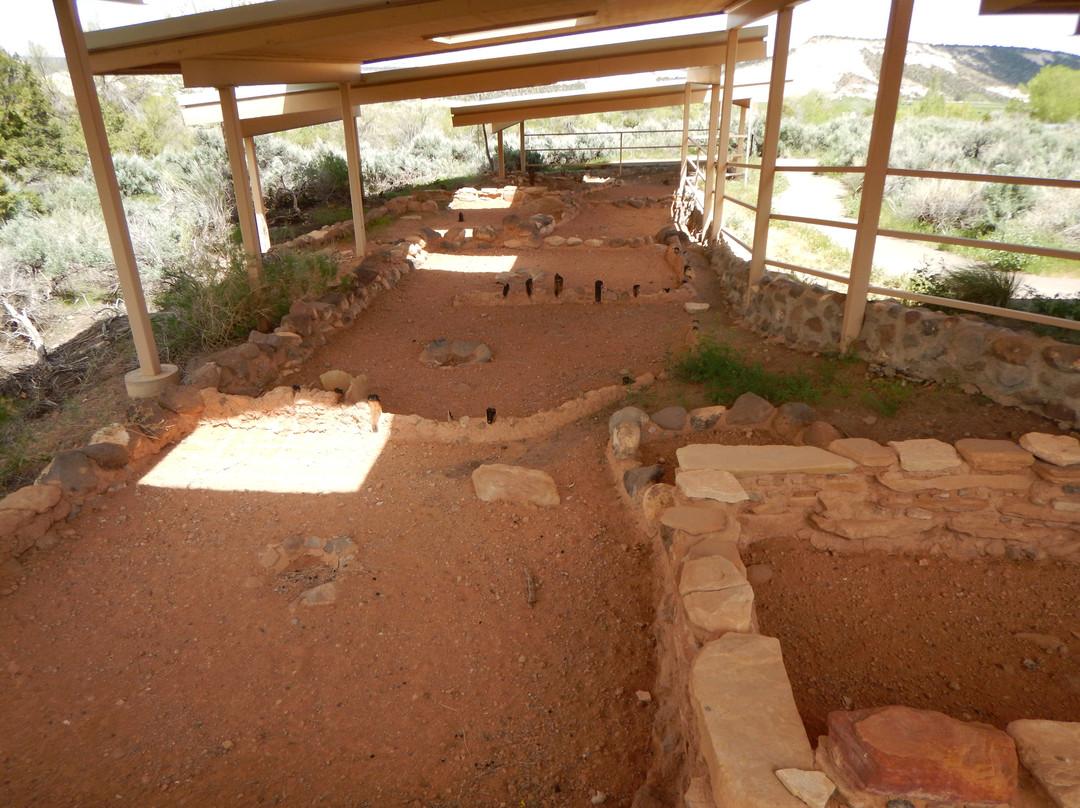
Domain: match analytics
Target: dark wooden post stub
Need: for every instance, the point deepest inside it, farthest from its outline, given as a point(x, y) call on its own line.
point(491, 415)
point(528, 286)
point(598, 288)
point(558, 285)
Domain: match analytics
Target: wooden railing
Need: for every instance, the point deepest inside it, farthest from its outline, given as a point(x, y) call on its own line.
point(937, 238)
point(616, 150)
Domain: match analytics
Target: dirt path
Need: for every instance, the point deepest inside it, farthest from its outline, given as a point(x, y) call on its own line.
point(475, 654)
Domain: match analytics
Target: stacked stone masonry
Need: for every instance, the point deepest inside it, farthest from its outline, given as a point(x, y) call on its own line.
point(725, 686)
point(1012, 368)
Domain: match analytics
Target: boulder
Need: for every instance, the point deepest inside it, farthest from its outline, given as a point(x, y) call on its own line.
point(497, 481)
point(905, 753)
point(635, 480)
point(1050, 750)
point(671, 418)
point(749, 408)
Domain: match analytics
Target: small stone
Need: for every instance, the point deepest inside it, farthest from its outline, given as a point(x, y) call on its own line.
point(791, 418)
point(758, 574)
point(813, 788)
point(635, 480)
point(322, 595)
point(705, 417)
point(671, 418)
point(644, 696)
point(1058, 450)
point(336, 380)
point(1047, 642)
point(227, 745)
point(694, 307)
point(598, 798)
point(749, 408)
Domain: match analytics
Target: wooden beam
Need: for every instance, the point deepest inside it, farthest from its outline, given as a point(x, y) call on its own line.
point(725, 142)
point(767, 175)
point(877, 167)
point(251, 157)
point(744, 12)
point(245, 206)
point(534, 109)
point(112, 207)
point(239, 72)
point(356, 186)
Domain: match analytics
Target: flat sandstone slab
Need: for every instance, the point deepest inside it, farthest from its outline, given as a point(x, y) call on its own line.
point(749, 461)
point(926, 454)
point(1050, 750)
point(864, 451)
point(750, 726)
point(496, 481)
point(993, 455)
point(711, 484)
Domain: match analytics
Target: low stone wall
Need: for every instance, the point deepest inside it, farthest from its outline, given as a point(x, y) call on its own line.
point(728, 731)
point(1038, 374)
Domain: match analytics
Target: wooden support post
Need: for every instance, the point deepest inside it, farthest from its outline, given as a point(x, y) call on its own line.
point(356, 186)
point(524, 162)
point(877, 165)
point(252, 159)
point(687, 97)
point(245, 207)
point(151, 376)
point(769, 148)
point(710, 158)
point(724, 134)
point(502, 156)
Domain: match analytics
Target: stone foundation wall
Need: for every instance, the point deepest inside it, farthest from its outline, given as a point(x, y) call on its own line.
point(728, 731)
point(1012, 368)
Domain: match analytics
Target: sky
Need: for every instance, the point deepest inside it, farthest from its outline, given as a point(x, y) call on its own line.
point(950, 22)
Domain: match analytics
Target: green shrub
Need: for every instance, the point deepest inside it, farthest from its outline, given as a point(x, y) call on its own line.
point(982, 283)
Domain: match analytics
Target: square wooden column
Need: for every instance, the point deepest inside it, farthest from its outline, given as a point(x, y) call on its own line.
point(710, 157)
point(245, 206)
point(877, 166)
point(151, 376)
point(356, 180)
point(524, 160)
point(725, 133)
point(502, 155)
point(769, 148)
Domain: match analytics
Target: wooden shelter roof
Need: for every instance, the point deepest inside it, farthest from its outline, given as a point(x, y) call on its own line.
point(328, 40)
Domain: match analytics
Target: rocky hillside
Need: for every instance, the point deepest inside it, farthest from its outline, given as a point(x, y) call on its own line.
point(842, 66)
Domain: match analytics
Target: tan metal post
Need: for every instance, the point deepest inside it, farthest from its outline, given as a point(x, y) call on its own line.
point(252, 159)
point(502, 157)
point(151, 376)
point(687, 96)
point(245, 207)
point(725, 133)
point(356, 186)
point(769, 148)
point(877, 165)
point(710, 158)
point(524, 162)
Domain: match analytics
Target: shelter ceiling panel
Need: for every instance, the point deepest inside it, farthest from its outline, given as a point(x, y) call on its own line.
point(575, 104)
point(357, 30)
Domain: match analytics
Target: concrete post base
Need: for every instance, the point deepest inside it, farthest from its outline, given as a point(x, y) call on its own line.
point(140, 386)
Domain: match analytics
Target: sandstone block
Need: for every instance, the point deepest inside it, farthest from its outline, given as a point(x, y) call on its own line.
point(921, 754)
point(631, 414)
point(1050, 750)
point(993, 455)
point(750, 726)
point(183, 400)
point(708, 575)
point(710, 484)
point(694, 521)
point(864, 451)
point(748, 461)
point(1058, 450)
point(656, 500)
point(926, 454)
point(72, 471)
point(497, 481)
point(625, 440)
point(722, 610)
point(336, 380)
point(897, 481)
